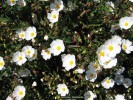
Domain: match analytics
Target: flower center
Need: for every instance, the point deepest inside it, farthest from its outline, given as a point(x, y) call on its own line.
point(101, 53)
point(63, 89)
point(54, 16)
point(22, 35)
point(20, 58)
point(110, 48)
point(57, 6)
point(71, 62)
point(20, 93)
point(1, 64)
point(91, 75)
point(126, 23)
point(32, 34)
point(58, 48)
point(108, 81)
point(12, 1)
point(28, 52)
point(124, 47)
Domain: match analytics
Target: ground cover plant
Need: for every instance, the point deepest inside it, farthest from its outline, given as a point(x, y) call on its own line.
point(66, 49)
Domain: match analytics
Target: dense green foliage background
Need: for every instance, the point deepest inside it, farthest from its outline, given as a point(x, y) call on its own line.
point(87, 17)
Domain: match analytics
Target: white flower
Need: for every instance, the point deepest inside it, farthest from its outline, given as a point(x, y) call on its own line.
point(127, 46)
point(127, 82)
point(2, 63)
point(131, 0)
point(19, 58)
point(21, 3)
point(46, 54)
point(34, 56)
point(117, 39)
point(11, 2)
point(62, 89)
point(9, 98)
point(30, 33)
point(57, 5)
point(109, 63)
point(89, 95)
point(119, 79)
point(95, 66)
point(69, 61)
point(101, 53)
point(53, 16)
point(34, 84)
point(125, 23)
point(79, 70)
point(107, 83)
point(46, 37)
point(112, 48)
point(19, 92)
point(91, 75)
point(21, 34)
point(114, 28)
point(119, 97)
point(28, 50)
point(56, 47)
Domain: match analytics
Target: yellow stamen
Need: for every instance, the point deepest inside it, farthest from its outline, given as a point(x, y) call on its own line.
point(58, 48)
point(108, 81)
point(111, 48)
point(12, 1)
point(124, 47)
point(54, 16)
point(22, 35)
point(1, 64)
point(71, 62)
point(126, 23)
point(20, 58)
point(63, 89)
point(28, 52)
point(101, 53)
point(57, 6)
point(20, 93)
point(32, 34)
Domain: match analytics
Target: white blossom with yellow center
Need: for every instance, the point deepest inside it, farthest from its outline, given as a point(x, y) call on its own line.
point(11, 2)
point(19, 92)
point(56, 47)
point(19, 58)
point(28, 50)
point(111, 62)
point(62, 89)
point(57, 5)
point(95, 66)
point(53, 16)
point(46, 54)
point(21, 34)
point(107, 83)
point(125, 22)
point(127, 46)
point(34, 56)
point(112, 48)
point(30, 33)
point(91, 75)
point(69, 61)
point(2, 63)
point(89, 95)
